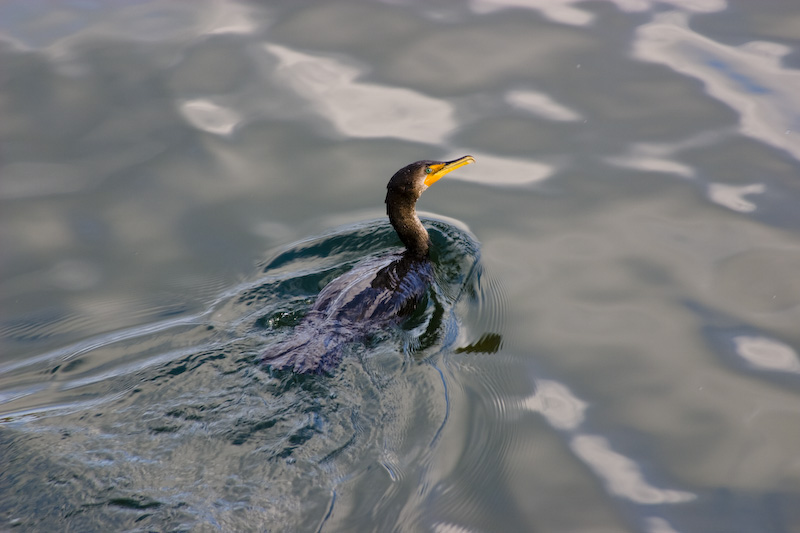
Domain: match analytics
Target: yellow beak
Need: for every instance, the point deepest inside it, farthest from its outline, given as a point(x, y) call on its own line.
point(440, 169)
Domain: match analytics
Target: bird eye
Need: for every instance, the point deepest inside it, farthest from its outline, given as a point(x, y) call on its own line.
point(428, 170)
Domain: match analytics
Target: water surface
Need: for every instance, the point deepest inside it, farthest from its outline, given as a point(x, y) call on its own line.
point(617, 347)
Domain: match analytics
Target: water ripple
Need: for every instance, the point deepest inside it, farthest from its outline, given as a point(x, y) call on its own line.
point(145, 393)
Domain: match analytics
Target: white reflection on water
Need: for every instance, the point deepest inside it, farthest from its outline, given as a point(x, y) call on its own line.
point(748, 78)
point(557, 404)
point(638, 159)
point(565, 13)
point(732, 196)
point(504, 170)
point(623, 477)
point(657, 524)
point(697, 6)
point(209, 116)
point(542, 105)
point(70, 24)
point(767, 354)
point(556, 11)
point(359, 109)
point(450, 528)
point(231, 17)
point(662, 156)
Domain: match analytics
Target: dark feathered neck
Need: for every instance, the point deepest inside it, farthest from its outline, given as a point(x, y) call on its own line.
point(401, 208)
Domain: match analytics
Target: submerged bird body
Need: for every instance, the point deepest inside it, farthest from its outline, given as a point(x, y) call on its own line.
point(375, 293)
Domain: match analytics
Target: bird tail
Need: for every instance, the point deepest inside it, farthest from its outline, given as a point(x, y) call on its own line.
point(309, 350)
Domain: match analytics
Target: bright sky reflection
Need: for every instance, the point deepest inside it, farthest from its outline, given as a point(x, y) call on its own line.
point(208, 116)
point(358, 109)
point(503, 170)
point(557, 404)
point(663, 156)
point(561, 12)
point(748, 78)
point(637, 161)
point(542, 105)
point(767, 354)
point(143, 21)
point(623, 477)
point(732, 196)
point(564, 12)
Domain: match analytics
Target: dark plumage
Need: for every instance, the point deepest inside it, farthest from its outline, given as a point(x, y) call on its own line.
point(376, 292)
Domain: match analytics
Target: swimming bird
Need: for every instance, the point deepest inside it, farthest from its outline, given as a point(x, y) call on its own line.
point(375, 293)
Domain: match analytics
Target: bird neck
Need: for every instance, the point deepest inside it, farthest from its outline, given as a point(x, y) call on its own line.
point(403, 216)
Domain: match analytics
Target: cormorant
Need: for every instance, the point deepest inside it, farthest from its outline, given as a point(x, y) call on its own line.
point(374, 293)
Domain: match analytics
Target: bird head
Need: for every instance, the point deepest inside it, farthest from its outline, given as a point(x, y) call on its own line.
point(412, 180)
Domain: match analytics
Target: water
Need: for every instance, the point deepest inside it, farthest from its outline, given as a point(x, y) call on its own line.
point(616, 342)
